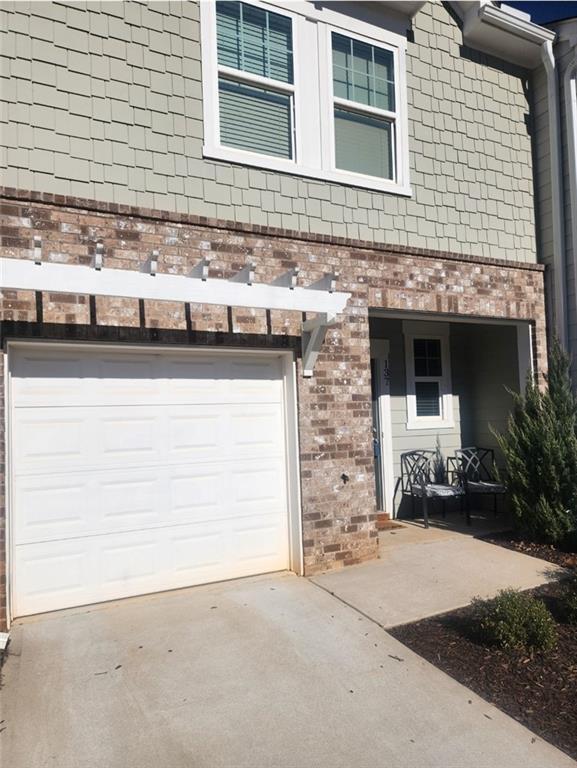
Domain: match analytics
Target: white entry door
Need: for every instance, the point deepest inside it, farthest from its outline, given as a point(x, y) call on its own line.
point(135, 472)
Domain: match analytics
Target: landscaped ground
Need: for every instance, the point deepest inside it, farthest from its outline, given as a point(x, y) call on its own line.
point(543, 551)
point(539, 691)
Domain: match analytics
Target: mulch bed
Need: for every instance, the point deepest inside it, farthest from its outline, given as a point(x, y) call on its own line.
point(544, 551)
point(538, 690)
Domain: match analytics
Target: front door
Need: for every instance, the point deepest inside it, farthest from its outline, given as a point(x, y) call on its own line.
point(382, 434)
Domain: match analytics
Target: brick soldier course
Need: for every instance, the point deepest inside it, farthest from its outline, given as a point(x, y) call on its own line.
point(334, 406)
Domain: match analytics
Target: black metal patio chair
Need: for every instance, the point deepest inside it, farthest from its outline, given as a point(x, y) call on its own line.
point(418, 481)
point(474, 468)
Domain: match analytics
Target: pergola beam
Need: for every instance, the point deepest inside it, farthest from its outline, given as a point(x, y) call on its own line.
point(24, 274)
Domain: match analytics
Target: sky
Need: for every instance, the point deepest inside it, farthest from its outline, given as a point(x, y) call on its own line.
point(543, 11)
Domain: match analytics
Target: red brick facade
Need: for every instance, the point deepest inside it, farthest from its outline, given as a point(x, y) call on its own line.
point(335, 405)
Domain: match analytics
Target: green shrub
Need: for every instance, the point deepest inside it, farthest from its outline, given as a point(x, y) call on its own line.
point(568, 602)
point(514, 621)
point(540, 452)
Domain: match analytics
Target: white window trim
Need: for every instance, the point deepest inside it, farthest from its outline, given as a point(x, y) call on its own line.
point(312, 52)
point(422, 330)
point(393, 117)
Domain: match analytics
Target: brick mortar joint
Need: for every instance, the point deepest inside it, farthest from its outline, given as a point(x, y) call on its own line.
point(9, 194)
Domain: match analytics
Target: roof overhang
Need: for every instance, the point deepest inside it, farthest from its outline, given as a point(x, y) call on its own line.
point(404, 7)
point(503, 32)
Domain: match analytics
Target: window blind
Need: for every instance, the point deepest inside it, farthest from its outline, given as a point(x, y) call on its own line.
point(255, 119)
point(363, 144)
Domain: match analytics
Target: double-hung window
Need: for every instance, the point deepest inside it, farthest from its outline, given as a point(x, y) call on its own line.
point(255, 79)
point(307, 89)
point(364, 107)
point(429, 398)
point(428, 369)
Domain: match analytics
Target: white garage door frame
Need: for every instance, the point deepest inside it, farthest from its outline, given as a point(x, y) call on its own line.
point(288, 362)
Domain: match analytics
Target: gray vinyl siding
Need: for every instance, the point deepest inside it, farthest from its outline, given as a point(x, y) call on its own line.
point(484, 366)
point(103, 100)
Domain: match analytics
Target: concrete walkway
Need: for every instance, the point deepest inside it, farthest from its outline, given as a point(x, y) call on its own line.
point(270, 672)
point(425, 572)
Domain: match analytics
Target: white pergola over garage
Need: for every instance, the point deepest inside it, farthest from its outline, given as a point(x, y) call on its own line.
point(284, 293)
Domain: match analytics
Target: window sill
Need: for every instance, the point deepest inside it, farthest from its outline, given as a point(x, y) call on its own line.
point(425, 424)
point(228, 154)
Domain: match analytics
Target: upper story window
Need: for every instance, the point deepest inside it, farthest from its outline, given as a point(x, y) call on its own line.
point(364, 107)
point(305, 90)
point(255, 79)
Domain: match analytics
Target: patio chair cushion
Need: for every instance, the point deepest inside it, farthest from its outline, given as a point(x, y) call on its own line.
point(485, 486)
point(437, 489)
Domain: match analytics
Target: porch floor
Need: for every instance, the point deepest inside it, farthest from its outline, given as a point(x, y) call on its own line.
point(422, 572)
point(483, 522)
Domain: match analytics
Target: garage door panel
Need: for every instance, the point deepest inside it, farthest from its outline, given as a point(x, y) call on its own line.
point(256, 431)
point(124, 559)
point(58, 506)
point(127, 435)
point(95, 378)
point(198, 552)
point(129, 502)
point(133, 474)
point(257, 541)
point(39, 378)
point(60, 574)
point(51, 508)
point(197, 494)
point(254, 486)
point(110, 437)
point(45, 578)
point(45, 437)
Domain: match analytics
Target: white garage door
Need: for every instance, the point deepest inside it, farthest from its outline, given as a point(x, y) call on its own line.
point(139, 472)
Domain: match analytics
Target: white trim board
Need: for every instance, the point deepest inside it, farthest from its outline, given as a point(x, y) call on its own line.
point(22, 274)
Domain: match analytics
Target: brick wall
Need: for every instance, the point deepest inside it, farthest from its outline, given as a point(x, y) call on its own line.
point(335, 405)
point(104, 101)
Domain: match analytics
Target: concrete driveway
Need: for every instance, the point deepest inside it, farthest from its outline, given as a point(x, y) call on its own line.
point(268, 672)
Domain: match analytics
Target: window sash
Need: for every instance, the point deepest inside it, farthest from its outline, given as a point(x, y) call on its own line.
point(346, 150)
point(257, 57)
point(438, 399)
point(264, 83)
point(256, 119)
point(363, 76)
point(360, 108)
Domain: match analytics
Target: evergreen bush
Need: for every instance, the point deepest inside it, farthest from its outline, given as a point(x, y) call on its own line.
point(540, 452)
point(569, 602)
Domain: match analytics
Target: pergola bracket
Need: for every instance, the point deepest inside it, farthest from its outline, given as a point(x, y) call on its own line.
point(313, 336)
